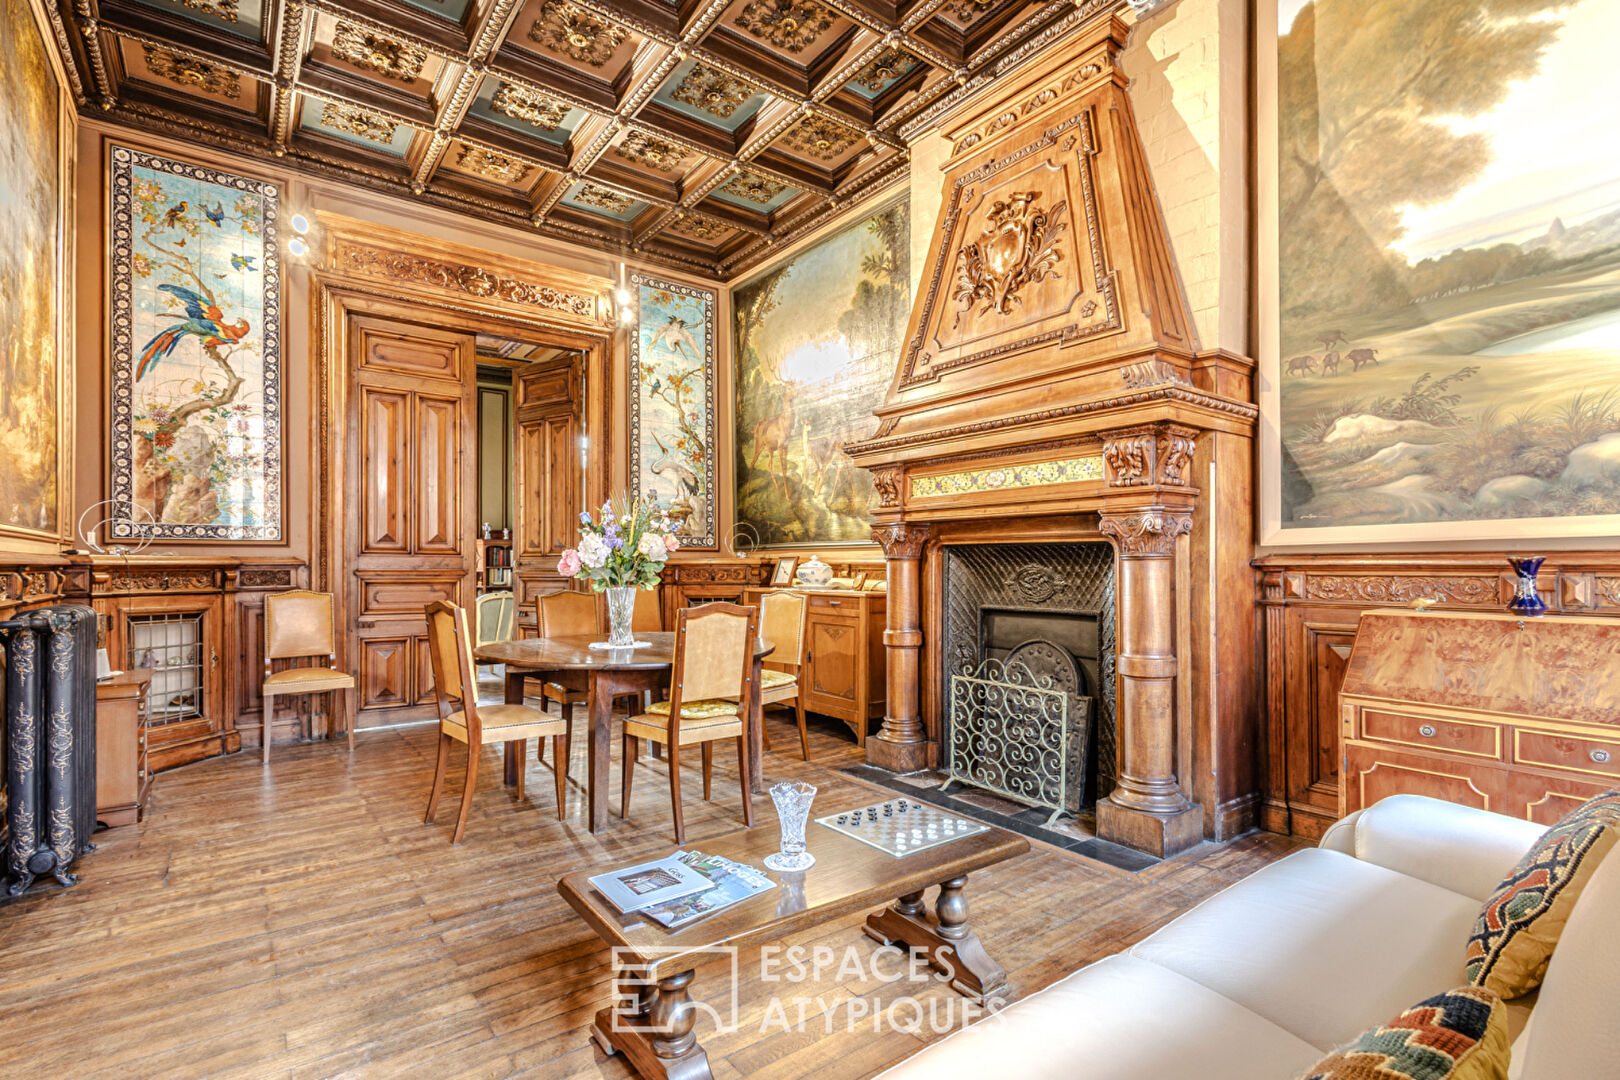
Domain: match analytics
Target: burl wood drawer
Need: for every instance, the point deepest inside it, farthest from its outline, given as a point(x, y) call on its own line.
point(1600, 757)
point(1430, 733)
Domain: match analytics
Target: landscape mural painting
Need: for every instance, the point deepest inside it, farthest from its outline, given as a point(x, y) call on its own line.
point(1445, 353)
point(196, 365)
point(672, 403)
point(31, 287)
point(807, 386)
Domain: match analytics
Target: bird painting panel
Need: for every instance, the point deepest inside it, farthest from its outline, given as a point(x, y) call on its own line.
point(201, 375)
point(672, 388)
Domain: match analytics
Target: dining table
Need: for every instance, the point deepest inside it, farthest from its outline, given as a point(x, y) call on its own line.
point(604, 674)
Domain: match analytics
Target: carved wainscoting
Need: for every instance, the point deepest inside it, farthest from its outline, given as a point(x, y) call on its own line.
point(1310, 606)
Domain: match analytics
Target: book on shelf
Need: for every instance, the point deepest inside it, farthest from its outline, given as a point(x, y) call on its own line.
point(732, 882)
point(657, 882)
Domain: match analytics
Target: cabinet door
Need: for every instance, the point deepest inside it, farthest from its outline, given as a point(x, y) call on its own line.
point(1375, 772)
point(833, 676)
point(180, 640)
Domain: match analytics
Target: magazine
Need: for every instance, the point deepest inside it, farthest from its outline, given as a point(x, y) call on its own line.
point(638, 887)
point(732, 882)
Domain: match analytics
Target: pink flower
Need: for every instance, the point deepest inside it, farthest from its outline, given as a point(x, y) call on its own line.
point(671, 543)
point(568, 565)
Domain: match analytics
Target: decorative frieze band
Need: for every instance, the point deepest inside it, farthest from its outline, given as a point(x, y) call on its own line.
point(1005, 477)
point(353, 258)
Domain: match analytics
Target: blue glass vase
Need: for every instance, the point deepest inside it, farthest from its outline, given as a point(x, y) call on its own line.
point(1526, 601)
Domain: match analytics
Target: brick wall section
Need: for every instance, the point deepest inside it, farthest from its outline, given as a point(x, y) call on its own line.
point(1188, 67)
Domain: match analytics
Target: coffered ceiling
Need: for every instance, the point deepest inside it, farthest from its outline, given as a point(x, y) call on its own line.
point(697, 133)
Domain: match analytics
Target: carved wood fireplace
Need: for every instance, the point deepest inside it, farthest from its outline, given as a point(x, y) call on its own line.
point(1049, 392)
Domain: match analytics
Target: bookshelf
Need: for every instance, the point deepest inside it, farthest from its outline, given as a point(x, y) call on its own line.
point(494, 565)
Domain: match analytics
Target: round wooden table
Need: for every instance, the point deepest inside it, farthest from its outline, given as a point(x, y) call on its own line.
point(605, 673)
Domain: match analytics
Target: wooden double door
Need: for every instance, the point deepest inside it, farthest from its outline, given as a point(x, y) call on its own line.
point(411, 524)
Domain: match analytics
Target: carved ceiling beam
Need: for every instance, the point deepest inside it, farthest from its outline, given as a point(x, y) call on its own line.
point(595, 146)
point(291, 34)
point(857, 15)
point(542, 206)
point(64, 49)
point(645, 83)
point(492, 29)
point(428, 163)
point(921, 14)
point(848, 69)
point(105, 90)
point(427, 45)
point(699, 26)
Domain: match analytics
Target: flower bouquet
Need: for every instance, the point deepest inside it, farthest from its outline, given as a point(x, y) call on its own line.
point(621, 550)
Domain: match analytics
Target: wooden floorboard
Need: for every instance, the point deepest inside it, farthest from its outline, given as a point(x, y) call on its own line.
point(301, 922)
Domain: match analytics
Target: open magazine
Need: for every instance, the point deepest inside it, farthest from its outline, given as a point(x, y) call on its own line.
point(732, 882)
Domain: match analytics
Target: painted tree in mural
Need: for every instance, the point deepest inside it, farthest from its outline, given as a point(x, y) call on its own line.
point(195, 443)
point(673, 371)
point(1373, 89)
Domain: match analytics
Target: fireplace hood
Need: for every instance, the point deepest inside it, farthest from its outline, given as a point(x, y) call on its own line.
point(1049, 385)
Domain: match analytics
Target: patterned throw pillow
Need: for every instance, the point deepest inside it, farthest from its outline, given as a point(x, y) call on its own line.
point(1459, 1035)
point(1518, 928)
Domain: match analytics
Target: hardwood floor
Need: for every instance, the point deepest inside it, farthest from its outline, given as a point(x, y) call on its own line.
point(301, 921)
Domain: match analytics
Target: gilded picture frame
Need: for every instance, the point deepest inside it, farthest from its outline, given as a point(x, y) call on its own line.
point(1451, 399)
point(36, 273)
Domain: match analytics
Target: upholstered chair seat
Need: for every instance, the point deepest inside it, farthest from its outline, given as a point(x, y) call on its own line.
point(772, 680)
point(298, 625)
point(696, 710)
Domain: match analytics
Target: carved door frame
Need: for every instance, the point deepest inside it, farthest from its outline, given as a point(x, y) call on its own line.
point(485, 293)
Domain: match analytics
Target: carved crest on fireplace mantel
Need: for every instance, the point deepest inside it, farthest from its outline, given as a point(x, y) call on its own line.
point(1017, 247)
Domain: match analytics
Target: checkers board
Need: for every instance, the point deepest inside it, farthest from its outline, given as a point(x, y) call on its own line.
point(901, 826)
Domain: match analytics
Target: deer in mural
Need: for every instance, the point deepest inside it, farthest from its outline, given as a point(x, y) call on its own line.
point(688, 489)
point(772, 434)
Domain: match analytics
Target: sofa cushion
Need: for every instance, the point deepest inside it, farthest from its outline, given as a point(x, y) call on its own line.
point(1515, 933)
point(1320, 944)
point(1122, 1018)
point(1455, 847)
point(1573, 1032)
point(1458, 1035)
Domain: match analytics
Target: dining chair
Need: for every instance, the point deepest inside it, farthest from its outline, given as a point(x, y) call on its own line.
point(781, 623)
point(713, 663)
point(566, 614)
point(494, 618)
point(299, 624)
point(648, 615)
point(450, 650)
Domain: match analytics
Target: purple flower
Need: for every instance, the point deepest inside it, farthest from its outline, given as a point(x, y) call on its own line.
point(614, 542)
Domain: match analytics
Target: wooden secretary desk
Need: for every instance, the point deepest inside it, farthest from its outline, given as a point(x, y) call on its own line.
point(1520, 716)
point(843, 675)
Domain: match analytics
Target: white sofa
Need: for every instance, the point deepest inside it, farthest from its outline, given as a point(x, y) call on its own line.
point(1262, 980)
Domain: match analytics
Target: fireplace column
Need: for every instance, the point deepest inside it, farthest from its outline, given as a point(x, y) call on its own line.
point(902, 745)
point(1147, 809)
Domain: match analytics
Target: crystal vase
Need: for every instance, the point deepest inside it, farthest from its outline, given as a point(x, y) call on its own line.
point(1526, 601)
point(621, 605)
point(792, 801)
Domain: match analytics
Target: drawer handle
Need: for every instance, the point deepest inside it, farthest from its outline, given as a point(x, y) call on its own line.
point(1427, 731)
point(1600, 757)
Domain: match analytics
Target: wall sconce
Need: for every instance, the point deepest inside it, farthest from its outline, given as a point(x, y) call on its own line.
point(302, 242)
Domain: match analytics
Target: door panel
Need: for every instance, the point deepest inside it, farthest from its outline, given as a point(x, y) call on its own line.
point(410, 539)
point(385, 442)
point(550, 480)
point(438, 473)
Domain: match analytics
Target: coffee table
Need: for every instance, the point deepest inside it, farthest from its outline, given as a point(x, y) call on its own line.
point(656, 965)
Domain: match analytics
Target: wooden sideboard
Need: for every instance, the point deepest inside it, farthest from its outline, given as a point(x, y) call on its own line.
point(1309, 608)
point(123, 775)
point(843, 675)
point(1518, 716)
point(198, 625)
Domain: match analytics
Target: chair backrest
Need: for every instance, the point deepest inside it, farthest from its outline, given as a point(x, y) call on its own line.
point(493, 617)
point(648, 615)
point(714, 652)
point(298, 623)
point(568, 614)
point(781, 625)
point(451, 653)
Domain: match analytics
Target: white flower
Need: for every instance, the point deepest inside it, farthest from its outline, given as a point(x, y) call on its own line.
point(592, 551)
point(652, 546)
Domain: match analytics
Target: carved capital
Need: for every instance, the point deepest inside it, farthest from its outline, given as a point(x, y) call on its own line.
point(901, 541)
point(886, 482)
point(1152, 454)
point(1146, 534)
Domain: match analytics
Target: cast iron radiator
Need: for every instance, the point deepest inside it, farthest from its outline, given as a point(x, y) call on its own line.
point(50, 741)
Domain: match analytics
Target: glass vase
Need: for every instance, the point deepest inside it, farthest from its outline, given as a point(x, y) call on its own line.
point(621, 605)
point(1526, 600)
point(792, 800)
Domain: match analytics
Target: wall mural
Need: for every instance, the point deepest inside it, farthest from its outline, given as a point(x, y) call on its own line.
point(32, 212)
point(817, 340)
point(196, 364)
point(672, 403)
point(1443, 358)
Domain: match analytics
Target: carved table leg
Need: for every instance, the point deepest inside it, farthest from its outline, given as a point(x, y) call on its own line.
point(656, 1031)
point(950, 945)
